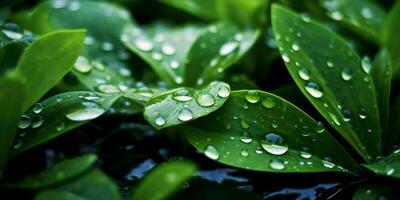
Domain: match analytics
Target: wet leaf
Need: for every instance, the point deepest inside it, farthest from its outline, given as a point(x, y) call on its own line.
point(164, 48)
point(166, 179)
point(259, 131)
point(60, 172)
point(47, 60)
point(373, 192)
point(215, 50)
point(181, 105)
point(390, 37)
point(10, 54)
point(205, 9)
point(363, 16)
point(388, 166)
point(243, 12)
point(56, 194)
point(59, 114)
point(333, 78)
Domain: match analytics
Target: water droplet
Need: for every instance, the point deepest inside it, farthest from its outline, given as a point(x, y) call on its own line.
point(168, 49)
point(144, 44)
point(89, 40)
point(390, 172)
point(160, 120)
point(334, 118)
point(74, 6)
point(107, 46)
point(295, 47)
point(211, 152)
point(285, 58)
point(185, 115)
point(277, 164)
point(336, 15)
point(346, 115)
point(246, 138)
point(305, 18)
point(125, 72)
point(305, 131)
point(346, 74)
point(244, 152)
point(329, 64)
point(327, 162)
point(223, 92)
point(60, 127)
point(90, 111)
point(205, 100)
point(25, 122)
point(174, 64)
point(12, 31)
point(259, 150)
point(244, 124)
point(58, 4)
point(37, 121)
point(268, 103)
point(83, 65)
point(362, 113)
point(366, 64)
point(18, 144)
point(37, 108)
point(305, 154)
point(314, 89)
point(304, 74)
point(252, 96)
point(319, 128)
point(182, 96)
point(178, 80)
point(273, 144)
point(228, 48)
point(157, 56)
point(366, 13)
point(108, 89)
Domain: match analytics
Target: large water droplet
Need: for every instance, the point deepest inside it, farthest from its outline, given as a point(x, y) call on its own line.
point(144, 44)
point(205, 100)
point(346, 74)
point(182, 96)
point(223, 92)
point(211, 152)
point(37, 108)
point(228, 48)
point(252, 96)
point(108, 89)
point(277, 164)
point(83, 65)
point(160, 121)
point(314, 89)
point(273, 144)
point(366, 64)
point(25, 122)
point(90, 111)
point(304, 74)
point(12, 31)
point(185, 115)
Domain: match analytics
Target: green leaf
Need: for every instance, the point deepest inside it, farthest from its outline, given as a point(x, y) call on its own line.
point(10, 54)
point(59, 114)
point(390, 37)
point(94, 185)
point(56, 194)
point(363, 16)
point(205, 9)
point(382, 75)
point(165, 179)
point(332, 77)
point(243, 12)
point(259, 131)
point(60, 172)
point(104, 53)
point(45, 62)
point(165, 52)
point(374, 192)
point(185, 104)
point(201, 190)
point(388, 166)
point(12, 94)
point(215, 50)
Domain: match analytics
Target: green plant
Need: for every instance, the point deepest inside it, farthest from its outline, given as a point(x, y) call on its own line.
point(68, 63)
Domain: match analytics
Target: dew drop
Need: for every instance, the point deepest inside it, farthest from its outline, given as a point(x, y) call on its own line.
point(244, 152)
point(182, 96)
point(168, 49)
point(314, 89)
point(228, 48)
point(74, 6)
point(277, 164)
point(174, 64)
point(37, 121)
point(185, 115)
point(160, 121)
point(319, 128)
point(246, 138)
point(346, 115)
point(83, 65)
point(304, 74)
point(58, 4)
point(366, 13)
point(329, 64)
point(346, 74)
point(327, 162)
point(144, 44)
point(259, 150)
point(178, 80)
point(334, 118)
point(268, 103)
point(157, 56)
point(285, 58)
point(305, 154)
point(224, 92)
point(12, 31)
point(273, 144)
point(336, 15)
point(60, 127)
point(25, 122)
point(205, 100)
point(108, 89)
point(362, 113)
point(295, 47)
point(244, 124)
point(38, 108)
point(366, 64)
point(107, 46)
point(211, 152)
point(90, 111)
point(252, 96)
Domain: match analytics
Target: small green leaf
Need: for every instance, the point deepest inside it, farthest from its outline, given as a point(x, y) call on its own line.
point(165, 52)
point(59, 114)
point(45, 62)
point(363, 16)
point(382, 75)
point(215, 50)
point(259, 131)
point(376, 192)
point(60, 172)
point(185, 104)
point(388, 166)
point(57, 194)
point(10, 54)
point(205, 9)
point(94, 185)
point(164, 180)
point(12, 94)
point(332, 77)
point(390, 37)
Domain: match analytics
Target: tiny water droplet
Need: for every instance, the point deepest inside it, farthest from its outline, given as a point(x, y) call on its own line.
point(174, 64)
point(336, 15)
point(319, 128)
point(314, 89)
point(37, 121)
point(244, 124)
point(185, 115)
point(329, 64)
point(228, 48)
point(211, 152)
point(107, 46)
point(346, 74)
point(346, 115)
point(366, 13)
point(157, 56)
point(58, 4)
point(327, 162)
point(305, 154)
point(334, 118)
point(252, 96)
point(74, 6)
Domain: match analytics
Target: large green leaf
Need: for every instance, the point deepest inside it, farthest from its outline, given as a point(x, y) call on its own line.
point(181, 105)
point(60, 172)
point(215, 50)
point(164, 48)
point(332, 77)
point(94, 185)
point(45, 62)
point(243, 12)
point(59, 114)
point(57, 194)
point(388, 166)
point(382, 75)
point(205, 9)
point(376, 192)
point(260, 131)
point(165, 179)
point(364, 16)
point(103, 59)
point(12, 94)
point(390, 37)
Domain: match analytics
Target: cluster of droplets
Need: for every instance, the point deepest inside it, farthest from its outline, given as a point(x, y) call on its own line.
point(333, 7)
